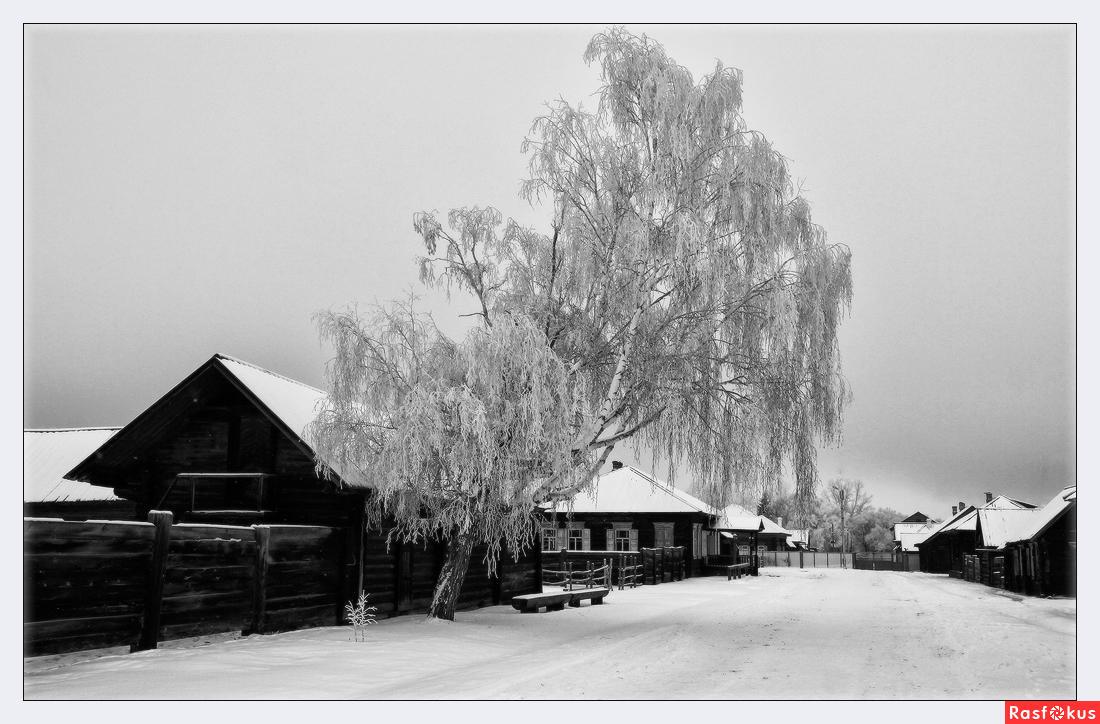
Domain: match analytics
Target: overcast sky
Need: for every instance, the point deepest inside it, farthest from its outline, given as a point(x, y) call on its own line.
point(200, 190)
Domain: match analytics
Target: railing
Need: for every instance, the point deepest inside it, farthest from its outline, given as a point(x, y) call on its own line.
point(572, 576)
point(631, 572)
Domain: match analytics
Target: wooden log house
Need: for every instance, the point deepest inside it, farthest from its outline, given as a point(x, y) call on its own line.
point(227, 445)
point(628, 510)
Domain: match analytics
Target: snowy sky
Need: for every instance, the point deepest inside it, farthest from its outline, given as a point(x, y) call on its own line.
point(207, 189)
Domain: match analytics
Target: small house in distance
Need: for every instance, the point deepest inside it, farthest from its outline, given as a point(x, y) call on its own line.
point(48, 455)
point(769, 535)
point(912, 530)
point(629, 510)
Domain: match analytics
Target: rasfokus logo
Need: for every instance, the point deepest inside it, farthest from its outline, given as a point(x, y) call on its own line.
point(1048, 711)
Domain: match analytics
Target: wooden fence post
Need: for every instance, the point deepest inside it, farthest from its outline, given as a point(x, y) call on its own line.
point(259, 590)
point(150, 621)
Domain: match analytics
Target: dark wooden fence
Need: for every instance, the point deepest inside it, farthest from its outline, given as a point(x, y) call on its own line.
point(661, 565)
point(112, 583)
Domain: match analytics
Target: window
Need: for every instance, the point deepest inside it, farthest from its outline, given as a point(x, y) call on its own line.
point(550, 539)
point(244, 493)
point(576, 539)
point(697, 549)
point(662, 535)
point(622, 537)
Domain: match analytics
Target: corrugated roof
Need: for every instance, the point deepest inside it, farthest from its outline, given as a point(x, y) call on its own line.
point(629, 490)
point(49, 454)
point(967, 519)
point(1000, 525)
point(1047, 515)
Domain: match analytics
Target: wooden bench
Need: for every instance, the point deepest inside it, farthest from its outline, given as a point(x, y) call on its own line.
point(595, 595)
point(736, 570)
point(556, 600)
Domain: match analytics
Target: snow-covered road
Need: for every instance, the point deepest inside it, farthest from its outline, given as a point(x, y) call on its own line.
point(825, 633)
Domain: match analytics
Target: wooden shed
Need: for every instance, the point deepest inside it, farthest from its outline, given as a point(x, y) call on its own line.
point(227, 445)
point(48, 454)
point(627, 510)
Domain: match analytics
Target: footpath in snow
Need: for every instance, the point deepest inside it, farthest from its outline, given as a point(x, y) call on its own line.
point(787, 634)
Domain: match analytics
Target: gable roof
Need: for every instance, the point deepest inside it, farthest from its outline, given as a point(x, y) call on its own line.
point(48, 454)
point(967, 519)
point(629, 490)
point(738, 517)
point(917, 517)
point(294, 404)
point(290, 405)
point(1048, 515)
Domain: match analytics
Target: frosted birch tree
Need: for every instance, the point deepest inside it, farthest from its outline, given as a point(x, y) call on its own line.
point(681, 299)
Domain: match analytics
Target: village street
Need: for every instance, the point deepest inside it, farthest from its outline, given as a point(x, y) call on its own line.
point(807, 634)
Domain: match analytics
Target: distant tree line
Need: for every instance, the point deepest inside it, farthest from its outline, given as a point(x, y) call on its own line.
point(839, 517)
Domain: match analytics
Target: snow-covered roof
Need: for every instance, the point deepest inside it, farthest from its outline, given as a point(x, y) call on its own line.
point(1047, 515)
point(49, 454)
point(908, 535)
point(1001, 525)
point(738, 517)
point(967, 519)
point(294, 403)
point(629, 490)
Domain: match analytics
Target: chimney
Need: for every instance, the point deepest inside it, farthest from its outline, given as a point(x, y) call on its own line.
point(616, 464)
point(779, 520)
point(961, 506)
point(954, 511)
point(988, 497)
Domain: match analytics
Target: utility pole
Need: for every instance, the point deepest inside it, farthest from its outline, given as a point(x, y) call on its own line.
point(840, 493)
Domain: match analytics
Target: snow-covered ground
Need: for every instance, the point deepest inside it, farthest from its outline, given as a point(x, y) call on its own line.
point(825, 633)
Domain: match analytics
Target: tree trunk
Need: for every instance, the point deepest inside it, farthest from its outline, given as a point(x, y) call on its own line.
point(449, 585)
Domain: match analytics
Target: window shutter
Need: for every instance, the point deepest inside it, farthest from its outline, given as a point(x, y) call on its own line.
point(610, 539)
point(586, 539)
point(633, 539)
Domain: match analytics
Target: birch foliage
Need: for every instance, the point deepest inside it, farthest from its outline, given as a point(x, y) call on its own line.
point(691, 300)
point(682, 299)
point(449, 436)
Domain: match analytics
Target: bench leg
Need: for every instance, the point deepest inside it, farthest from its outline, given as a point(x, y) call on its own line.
point(597, 601)
point(575, 603)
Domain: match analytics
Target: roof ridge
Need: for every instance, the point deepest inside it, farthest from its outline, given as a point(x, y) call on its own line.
point(672, 490)
point(71, 429)
point(231, 358)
